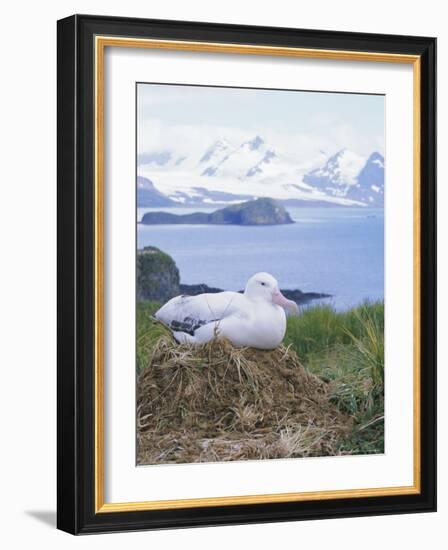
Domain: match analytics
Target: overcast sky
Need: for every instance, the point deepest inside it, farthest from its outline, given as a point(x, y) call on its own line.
point(189, 118)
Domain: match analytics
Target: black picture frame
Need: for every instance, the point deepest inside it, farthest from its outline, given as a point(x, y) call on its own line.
point(76, 258)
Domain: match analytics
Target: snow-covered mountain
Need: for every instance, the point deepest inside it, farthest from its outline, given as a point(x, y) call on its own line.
point(226, 172)
point(148, 195)
point(351, 176)
point(370, 188)
point(249, 159)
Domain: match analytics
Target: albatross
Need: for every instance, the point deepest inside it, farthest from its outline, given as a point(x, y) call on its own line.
point(254, 319)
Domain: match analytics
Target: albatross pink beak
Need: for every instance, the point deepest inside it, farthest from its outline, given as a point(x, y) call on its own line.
point(280, 300)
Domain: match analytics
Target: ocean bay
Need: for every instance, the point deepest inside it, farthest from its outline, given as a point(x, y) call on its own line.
point(337, 251)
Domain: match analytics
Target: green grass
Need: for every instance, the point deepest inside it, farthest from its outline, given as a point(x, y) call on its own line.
point(344, 348)
point(148, 332)
point(347, 350)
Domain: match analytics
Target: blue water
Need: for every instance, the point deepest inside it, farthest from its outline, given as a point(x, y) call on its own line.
point(331, 250)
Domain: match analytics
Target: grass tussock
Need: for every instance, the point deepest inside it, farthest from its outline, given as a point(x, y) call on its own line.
point(216, 402)
point(347, 350)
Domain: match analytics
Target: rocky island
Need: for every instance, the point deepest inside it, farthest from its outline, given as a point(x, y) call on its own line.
point(158, 280)
point(263, 211)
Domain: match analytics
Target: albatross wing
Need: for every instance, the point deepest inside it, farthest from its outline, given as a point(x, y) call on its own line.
point(187, 314)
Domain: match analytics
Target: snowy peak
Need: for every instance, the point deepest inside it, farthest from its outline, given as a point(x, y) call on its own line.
point(253, 144)
point(373, 171)
point(376, 158)
point(247, 160)
point(258, 167)
point(340, 170)
point(370, 184)
point(348, 175)
point(216, 151)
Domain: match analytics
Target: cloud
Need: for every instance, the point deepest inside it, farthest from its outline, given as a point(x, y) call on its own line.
point(191, 140)
point(186, 120)
point(183, 139)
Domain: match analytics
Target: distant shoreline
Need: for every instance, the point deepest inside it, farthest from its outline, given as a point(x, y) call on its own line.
point(296, 296)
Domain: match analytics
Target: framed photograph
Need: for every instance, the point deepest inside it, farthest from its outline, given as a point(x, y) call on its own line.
point(246, 274)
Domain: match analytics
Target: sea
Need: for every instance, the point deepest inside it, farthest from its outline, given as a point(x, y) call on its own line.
point(336, 251)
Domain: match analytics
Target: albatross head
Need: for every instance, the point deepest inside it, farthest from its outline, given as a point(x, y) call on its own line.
point(263, 286)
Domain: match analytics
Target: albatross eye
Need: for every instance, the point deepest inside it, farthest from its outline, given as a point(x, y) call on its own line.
point(263, 284)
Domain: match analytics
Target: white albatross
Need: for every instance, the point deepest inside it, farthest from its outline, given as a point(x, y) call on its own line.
point(254, 319)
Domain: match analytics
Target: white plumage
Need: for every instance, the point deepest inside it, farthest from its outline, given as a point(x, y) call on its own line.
point(254, 319)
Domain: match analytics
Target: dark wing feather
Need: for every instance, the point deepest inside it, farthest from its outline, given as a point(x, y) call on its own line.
point(188, 313)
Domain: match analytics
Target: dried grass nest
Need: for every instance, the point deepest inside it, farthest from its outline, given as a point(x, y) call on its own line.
point(215, 402)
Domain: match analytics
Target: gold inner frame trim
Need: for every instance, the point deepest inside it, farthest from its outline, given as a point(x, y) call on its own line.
point(101, 42)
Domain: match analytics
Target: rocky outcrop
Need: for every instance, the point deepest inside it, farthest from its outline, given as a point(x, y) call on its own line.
point(263, 211)
point(157, 275)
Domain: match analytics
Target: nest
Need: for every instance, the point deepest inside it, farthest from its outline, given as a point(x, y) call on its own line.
point(215, 402)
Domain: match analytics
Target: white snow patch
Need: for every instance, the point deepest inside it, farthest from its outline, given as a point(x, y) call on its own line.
point(350, 165)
